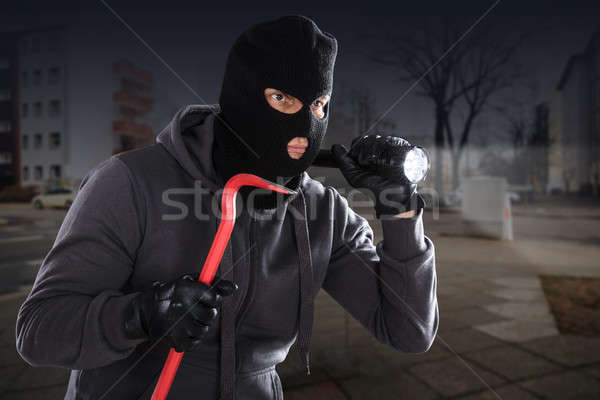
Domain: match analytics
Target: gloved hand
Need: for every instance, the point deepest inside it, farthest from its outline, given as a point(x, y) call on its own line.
point(181, 310)
point(374, 162)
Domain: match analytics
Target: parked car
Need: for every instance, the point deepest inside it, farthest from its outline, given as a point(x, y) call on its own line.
point(55, 197)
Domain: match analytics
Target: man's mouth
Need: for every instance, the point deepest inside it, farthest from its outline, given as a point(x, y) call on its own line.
point(296, 147)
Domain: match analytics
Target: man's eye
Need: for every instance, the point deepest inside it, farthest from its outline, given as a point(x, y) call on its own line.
point(318, 103)
point(277, 96)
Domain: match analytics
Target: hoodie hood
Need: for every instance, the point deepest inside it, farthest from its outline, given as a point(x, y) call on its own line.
point(189, 139)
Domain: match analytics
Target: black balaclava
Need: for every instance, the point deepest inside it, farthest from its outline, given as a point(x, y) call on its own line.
point(290, 54)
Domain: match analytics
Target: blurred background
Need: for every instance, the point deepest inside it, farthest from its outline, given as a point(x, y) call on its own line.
point(504, 95)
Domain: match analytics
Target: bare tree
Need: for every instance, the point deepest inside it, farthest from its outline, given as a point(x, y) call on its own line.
point(486, 69)
point(453, 70)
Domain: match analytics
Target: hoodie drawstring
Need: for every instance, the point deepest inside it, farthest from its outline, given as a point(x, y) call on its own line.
point(306, 304)
point(306, 281)
point(227, 366)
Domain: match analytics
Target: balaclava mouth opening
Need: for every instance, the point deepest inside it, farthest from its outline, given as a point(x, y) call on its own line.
point(290, 54)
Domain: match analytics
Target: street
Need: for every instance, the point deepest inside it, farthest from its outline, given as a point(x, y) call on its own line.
point(497, 337)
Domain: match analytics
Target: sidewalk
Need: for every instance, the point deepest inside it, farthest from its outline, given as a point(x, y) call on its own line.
point(497, 338)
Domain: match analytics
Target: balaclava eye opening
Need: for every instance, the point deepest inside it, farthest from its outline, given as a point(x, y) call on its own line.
point(290, 54)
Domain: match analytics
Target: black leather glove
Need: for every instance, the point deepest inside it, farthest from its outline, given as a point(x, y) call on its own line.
point(375, 163)
point(181, 310)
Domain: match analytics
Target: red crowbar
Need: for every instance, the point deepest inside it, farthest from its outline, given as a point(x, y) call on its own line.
point(215, 254)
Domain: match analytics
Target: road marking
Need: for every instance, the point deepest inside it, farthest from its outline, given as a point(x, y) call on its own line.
point(21, 239)
point(34, 263)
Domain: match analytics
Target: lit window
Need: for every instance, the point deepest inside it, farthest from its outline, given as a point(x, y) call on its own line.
point(53, 75)
point(37, 77)
point(25, 173)
point(25, 142)
point(37, 109)
point(38, 173)
point(54, 142)
point(37, 141)
point(25, 111)
point(54, 108)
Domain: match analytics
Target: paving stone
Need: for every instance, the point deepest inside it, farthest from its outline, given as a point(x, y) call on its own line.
point(571, 350)
point(345, 363)
point(522, 310)
point(511, 362)
point(518, 331)
point(518, 282)
point(519, 294)
point(452, 376)
point(7, 337)
point(448, 290)
point(466, 340)
point(322, 391)
point(591, 370)
point(8, 376)
point(40, 377)
point(400, 386)
point(511, 392)
point(397, 361)
point(563, 386)
point(9, 355)
point(449, 324)
point(475, 316)
point(50, 393)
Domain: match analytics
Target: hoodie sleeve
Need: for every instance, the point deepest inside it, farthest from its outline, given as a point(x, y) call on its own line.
point(73, 317)
point(389, 287)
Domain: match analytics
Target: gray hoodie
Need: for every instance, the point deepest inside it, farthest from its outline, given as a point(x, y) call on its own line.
point(149, 215)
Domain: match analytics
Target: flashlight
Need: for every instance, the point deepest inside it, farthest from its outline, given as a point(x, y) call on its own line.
point(414, 162)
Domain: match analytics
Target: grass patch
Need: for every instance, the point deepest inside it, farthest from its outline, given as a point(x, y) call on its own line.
point(574, 302)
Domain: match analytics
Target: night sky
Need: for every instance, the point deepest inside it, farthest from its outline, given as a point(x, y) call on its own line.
point(194, 38)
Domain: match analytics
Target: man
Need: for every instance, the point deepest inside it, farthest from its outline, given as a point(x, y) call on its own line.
point(118, 288)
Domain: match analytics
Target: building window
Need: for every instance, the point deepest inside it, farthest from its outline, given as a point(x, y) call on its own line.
point(25, 142)
point(24, 45)
point(55, 171)
point(54, 140)
point(37, 77)
point(54, 41)
point(35, 44)
point(38, 173)
point(24, 79)
point(54, 108)
point(53, 75)
point(4, 94)
point(5, 158)
point(5, 126)
point(25, 110)
point(37, 141)
point(25, 173)
point(37, 109)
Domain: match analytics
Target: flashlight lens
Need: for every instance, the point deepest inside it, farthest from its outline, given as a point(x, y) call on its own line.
point(416, 165)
